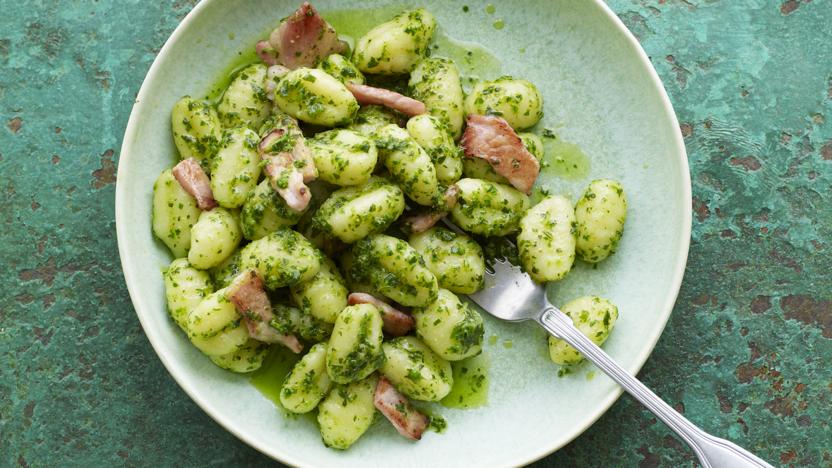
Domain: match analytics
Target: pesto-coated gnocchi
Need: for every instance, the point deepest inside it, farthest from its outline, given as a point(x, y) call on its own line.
point(213, 238)
point(343, 157)
point(432, 135)
point(395, 269)
point(455, 259)
point(282, 258)
point(547, 239)
point(487, 208)
point(415, 370)
point(324, 296)
point(247, 358)
point(354, 349)
point(174, 213)
point(214, 314)
point(223, 274)
point(292, 321)
point(435, 81)
point(185, 288)
point(409, 164)
point(307, 383)
point(315, 97)
point(396, 46)
point(226, 341)
point(353, 213)
point(594, 317)
point(450, 327)
point(600, 216)
point(264, 211)
point(245, 102)
point(370, 119)
point(517, 101)
point(347, 412)
point(196, 129)
point(342, 69)
point(235, 168)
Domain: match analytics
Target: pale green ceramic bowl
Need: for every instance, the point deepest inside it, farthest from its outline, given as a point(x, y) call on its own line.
point(601, 93)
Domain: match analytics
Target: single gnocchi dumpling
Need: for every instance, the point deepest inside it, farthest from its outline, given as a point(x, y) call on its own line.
point(547, 239)
point(600, 215)
point(455, 259)
point(324, 296)
point(433, 136)
point(226, 341)
point(264, 211)
point(342, 69)
point(245, 103)
point(409, 164)
point(395, 269)
point(354, 350)
point(435, 81)
point(517, 101)
point(185, 288)
point(196, 129)
point(247, 358)
point(487, 208)
point(174, 213)
point(315, 97)
point(353, 213)
point(450, 327)
point(282, 258)
point(307, 383)
point(594, 317)
point(415, 370)
point(214, 238)
point(343, 157)
point(396, 46)
point(347, 412)
point(223, 274)
point(235, 168)
point(370, 119)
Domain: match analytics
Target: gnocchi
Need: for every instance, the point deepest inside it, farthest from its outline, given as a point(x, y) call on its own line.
point(449, 327)
point(343, 157)
point(433, 136)
point(213, 238)
point(282, 258)
point(600, 215)
point(235, 168)
point(196, 129)
point(415, 370)
point(264, 211)
point(455, 259)
point(354, 349)
point(185, 288)
point(174, 213)
point(594, 317)
point(342, 69)
point(353, 213)
point(488, 208)
point(409, 164)
point(324, 296)
point(315, 97)
point(307, 383)
point(435, 81)
point(347, 412)
point(517, 101)
point(245, 103)
point(547, 239)
point(396, 46)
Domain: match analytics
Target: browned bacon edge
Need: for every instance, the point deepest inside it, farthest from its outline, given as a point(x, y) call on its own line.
point(366, 95)
point(491, 138)
point(396, 322)
point(423, 221)
point(195, 181)
point(251, 301)
point(398, 410)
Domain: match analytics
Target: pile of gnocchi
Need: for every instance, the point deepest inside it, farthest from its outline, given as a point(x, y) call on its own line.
point(307, 209)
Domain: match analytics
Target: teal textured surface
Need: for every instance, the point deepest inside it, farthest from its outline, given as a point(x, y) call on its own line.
point(746, 354)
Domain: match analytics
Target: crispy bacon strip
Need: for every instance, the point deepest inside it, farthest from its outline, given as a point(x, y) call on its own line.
point(366, 95)
point(304, 38)
point(252, 302)
point(287, 180)
point(423, 221)
point(398, 410)
point(491, 138)
point(396, 322)
point(193, 179)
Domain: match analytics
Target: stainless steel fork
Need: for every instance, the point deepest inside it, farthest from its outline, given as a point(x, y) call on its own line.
point(510, 294)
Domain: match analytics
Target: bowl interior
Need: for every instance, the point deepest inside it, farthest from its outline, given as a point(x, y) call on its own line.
point(600, 94)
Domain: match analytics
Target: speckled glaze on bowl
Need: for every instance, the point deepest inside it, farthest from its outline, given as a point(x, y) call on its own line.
point(601, 93)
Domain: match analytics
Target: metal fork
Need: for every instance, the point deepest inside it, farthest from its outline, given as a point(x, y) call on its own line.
point(510, 294)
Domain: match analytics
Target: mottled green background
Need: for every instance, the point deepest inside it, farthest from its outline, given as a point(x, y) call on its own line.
point(747, 353)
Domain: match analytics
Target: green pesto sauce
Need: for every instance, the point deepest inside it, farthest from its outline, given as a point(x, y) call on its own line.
point(269, 378)
point(499, 24)
point(563, 159)
point(508, 344)
point(490, 9)
point(224, 77)
point(470, 388)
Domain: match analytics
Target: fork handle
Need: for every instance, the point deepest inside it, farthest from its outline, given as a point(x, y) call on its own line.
point(711, 451)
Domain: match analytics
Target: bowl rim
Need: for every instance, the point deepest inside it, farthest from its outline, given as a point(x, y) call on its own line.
point(276, 453)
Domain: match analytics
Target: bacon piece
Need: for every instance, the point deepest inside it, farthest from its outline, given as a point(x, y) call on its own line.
point(304, 38)
point(287, 180)
point(266, 52)
point(491, 138)
point(396, 322)
point(252, 302)
point(423, 221)
point(193, 179)
point(398, 410)
point(367, 95)
point(288, 126)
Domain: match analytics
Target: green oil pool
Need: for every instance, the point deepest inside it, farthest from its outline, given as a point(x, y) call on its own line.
point(470, 388)
point(269, 378)
point(563, 159)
